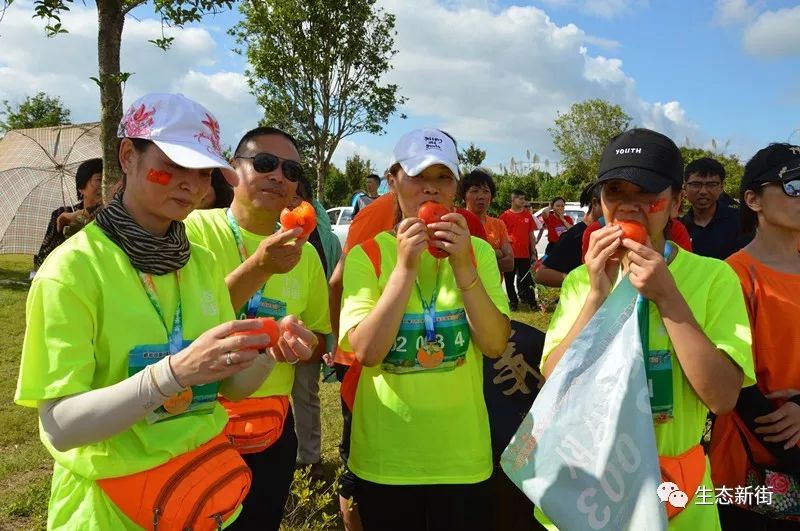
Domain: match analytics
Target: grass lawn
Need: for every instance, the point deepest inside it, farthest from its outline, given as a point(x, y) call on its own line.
point(25, 465)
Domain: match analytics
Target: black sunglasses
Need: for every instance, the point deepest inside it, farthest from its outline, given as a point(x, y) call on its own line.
point(267, 162)
point(789, 179)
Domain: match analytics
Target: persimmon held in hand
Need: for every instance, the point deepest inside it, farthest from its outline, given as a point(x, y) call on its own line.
point(303, 217)
point(432, 212)
point(632, 230)
point(268, 327)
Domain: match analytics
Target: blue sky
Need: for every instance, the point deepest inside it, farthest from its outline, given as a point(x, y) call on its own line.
point(492, 72)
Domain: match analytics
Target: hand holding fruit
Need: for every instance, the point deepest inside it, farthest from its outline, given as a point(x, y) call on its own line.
point(412, 240)
point(304, 217)
point(279, 253)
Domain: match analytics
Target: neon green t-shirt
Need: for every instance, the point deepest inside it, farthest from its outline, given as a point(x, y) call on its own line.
point(303, 291)
point(424, 427)
point(86, 310)
point(714, 294)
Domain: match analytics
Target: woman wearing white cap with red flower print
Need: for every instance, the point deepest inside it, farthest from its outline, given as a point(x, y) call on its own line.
point(420, 444)
point(130, 337)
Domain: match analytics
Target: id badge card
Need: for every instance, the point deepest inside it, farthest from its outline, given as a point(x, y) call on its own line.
point(658, 369)
point(197, 400)
point(416, 350)
point(267, 308)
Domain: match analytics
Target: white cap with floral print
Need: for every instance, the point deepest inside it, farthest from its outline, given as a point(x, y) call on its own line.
point(184, 130)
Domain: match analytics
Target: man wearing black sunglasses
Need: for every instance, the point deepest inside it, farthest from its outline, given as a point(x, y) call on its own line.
point(269, 274)
point(712, 221)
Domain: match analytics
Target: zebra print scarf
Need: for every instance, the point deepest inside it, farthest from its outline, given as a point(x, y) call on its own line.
point(155, 255)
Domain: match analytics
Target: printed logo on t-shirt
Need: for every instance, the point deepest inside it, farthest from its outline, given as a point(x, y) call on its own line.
point(290, 288)
point(208, 304)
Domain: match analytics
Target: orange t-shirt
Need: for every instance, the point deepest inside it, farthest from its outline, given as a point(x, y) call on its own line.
point(376, 217)
point(496, 232)
point(773, 300)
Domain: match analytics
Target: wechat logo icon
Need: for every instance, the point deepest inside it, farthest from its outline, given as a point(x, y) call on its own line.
point(670, 493)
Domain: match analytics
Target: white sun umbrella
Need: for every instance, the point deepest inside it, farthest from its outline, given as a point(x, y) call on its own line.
point(37, 175)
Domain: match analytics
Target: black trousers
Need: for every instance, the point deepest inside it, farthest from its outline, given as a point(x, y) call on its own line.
point(347, 482)
point(425, 507)
point(524, 286)
point(736, 519)
point(273, 472)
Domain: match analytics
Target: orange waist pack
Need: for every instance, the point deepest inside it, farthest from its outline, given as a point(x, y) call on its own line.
point(196, 491)
point(254, 424)
point(686, 471)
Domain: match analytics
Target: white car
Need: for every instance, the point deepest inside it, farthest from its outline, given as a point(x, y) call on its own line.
point(340, 222)
point(572, 209)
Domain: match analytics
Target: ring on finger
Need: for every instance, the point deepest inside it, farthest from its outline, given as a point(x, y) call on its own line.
point(295, 362)
point(228, 360)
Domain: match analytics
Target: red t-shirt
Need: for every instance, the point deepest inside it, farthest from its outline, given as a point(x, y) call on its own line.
point(520, 225)
point(556, 227)
point(677, 233)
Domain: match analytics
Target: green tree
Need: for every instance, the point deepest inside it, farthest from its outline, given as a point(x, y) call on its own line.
point(40, 110)
point(528, 183)
point(111, 16)
point(581, 134)
point(316, 69)
point(472, 157)
point(734, 169)
point(339, 186)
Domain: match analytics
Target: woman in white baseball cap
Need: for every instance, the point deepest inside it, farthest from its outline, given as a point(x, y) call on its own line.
point(418, 326)
point(130, 337)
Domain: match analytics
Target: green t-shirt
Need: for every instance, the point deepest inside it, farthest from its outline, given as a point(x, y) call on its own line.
point(714, 294)
point(86, 310)
point(303, 291)
point(428, 426)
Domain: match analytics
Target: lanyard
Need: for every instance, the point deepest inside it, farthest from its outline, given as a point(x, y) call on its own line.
point(658, 365)
point(429, 308)
point(174, 337)
point(255, 301)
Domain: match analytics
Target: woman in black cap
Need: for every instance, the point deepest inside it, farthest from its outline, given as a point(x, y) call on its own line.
point(764, 429)
point(693, 321)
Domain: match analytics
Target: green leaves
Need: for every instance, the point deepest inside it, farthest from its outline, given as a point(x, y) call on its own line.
point(316, 67)
point(581, 134)
point(40, 110)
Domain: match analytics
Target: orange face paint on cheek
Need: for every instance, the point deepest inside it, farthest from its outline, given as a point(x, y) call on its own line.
point(658, 206)
point(159, 177)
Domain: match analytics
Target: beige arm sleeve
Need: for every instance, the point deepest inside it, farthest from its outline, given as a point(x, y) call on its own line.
point(85, 418)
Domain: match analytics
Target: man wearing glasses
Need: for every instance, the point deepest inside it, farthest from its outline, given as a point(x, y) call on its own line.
point(712, 221)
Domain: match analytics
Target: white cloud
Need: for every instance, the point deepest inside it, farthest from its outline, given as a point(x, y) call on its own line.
point(774, 34)
point(62, 66)
point(500, 77)
point(598, 8)
point(733, 12)
point(347, 148)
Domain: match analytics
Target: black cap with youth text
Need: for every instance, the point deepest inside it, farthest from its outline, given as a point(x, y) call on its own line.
point(774, 163)
point(643, 157)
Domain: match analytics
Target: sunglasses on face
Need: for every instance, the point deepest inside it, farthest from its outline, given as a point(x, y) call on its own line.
point(267, 162)
point(790, 188)
point(789, 179)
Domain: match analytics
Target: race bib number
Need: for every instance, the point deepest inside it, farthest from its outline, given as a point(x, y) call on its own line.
point(197, 400)
point(411, 353)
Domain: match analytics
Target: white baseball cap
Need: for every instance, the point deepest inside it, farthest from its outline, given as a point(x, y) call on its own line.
point(422, 148)
point(182, 128)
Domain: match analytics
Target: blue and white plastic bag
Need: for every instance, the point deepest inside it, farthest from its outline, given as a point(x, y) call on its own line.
point(586, 452)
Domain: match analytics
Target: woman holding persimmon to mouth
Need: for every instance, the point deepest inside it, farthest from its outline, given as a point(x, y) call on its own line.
point(693, 323)
point(418, 324)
